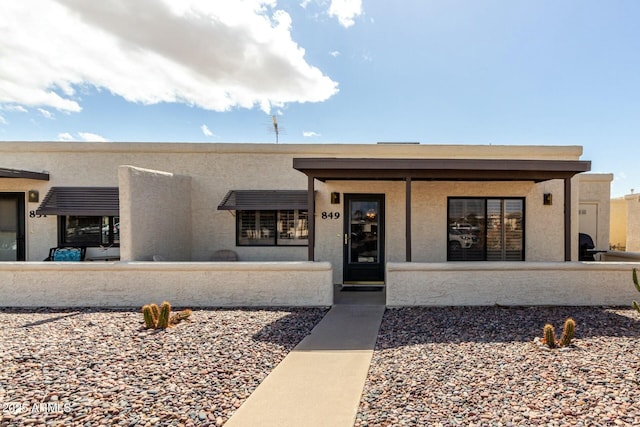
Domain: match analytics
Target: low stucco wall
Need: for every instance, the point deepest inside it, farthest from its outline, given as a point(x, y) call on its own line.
point(621, 256)
point(189, 284)
point(506, 283)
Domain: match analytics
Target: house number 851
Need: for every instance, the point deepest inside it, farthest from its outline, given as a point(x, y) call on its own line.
point(330, 215)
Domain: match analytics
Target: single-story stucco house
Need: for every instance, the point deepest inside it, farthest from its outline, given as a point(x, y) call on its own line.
point(435, 224)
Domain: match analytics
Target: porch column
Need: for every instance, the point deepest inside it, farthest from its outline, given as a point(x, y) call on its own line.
point(408, 218)
point(567, 219)
point(311, 216)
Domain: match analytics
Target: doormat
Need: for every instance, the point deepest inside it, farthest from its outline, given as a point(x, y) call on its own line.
point(361, 288)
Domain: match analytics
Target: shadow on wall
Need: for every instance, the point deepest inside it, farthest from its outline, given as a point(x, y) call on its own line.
point(419, 325)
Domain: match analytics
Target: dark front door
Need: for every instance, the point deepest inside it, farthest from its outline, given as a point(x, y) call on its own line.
point(363, 238)
point(12, 227)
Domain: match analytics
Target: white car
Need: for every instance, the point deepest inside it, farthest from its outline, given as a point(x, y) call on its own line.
point(461, 239)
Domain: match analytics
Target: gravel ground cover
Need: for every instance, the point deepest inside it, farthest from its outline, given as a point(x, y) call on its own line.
point(482, 367)
point(101, 368)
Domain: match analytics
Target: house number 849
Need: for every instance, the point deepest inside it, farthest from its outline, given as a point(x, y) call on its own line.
point(330, 215)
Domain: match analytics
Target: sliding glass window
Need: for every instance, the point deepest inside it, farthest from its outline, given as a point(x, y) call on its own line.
point(485, 229)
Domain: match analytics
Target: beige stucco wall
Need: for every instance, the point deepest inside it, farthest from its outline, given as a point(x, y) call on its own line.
point(189, 284)
point(595, 192)
point(508, 283)
point(618, 223)
point(155, 215)
point(544, 224)
point(633, 222)
point(41, 232)
point(330, 232)
point(217, 168)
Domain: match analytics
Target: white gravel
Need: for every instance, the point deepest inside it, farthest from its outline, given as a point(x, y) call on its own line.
point(101, 368)
point(481, 367)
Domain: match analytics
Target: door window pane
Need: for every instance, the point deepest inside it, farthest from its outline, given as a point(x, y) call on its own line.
point(363, 232)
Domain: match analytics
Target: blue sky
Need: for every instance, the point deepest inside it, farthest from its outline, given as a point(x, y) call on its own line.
point(331, 71)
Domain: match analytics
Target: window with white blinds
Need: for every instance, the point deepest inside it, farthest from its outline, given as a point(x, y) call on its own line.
point(272, 228)
point(490, 229)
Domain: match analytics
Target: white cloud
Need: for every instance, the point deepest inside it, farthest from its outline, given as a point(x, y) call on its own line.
point(13, 108)
point(65, 136)
point(305, 3)
point(82, 136)
point(310, 134)
point(216, 55)
point(334, 53)
point(46, 113)
point(345, 11)
point(205, 130)
point(92, 137)
point(3, 121)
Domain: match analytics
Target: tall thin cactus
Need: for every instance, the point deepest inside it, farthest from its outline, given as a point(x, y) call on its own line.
point(568, 332)
point(149, 321)
point(155, 311)
point(165, 313)
point(549, 335)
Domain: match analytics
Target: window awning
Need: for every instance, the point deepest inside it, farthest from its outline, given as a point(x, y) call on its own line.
point(325, 169)
point(17, 173)
point(81, 201)
point(248, 200)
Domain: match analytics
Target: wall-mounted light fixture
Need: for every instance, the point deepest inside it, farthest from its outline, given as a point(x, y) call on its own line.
point(33, 196)
point(335, 198)
point(547, 199)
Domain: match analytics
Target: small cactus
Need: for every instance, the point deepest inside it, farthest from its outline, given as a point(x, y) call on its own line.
point(160, 317)
point(165, 313)
point(635, 282)
point(155, 310)
point(149, 321)
point(178, 317)
point(549, 335)
point(568, 332)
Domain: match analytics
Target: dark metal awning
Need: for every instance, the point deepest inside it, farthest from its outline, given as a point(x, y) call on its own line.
point(325, 169)
point(248, 200)
point(17, 173)
point(88, 201)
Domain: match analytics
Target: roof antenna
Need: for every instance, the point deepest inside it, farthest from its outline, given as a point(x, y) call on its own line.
point(275, 126)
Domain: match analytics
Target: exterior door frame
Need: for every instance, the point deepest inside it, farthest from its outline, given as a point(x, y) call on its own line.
point(20, 222)
point(366, 272)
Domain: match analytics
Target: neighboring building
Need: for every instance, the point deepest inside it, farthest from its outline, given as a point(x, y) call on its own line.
point(373, 204)
point(625, 223)
point(618, 224)
point(594, 208)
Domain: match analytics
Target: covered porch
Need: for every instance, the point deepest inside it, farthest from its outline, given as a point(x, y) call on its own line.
point(413, 170)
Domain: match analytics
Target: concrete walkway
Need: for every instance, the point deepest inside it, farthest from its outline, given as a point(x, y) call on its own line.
point(320, 382)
